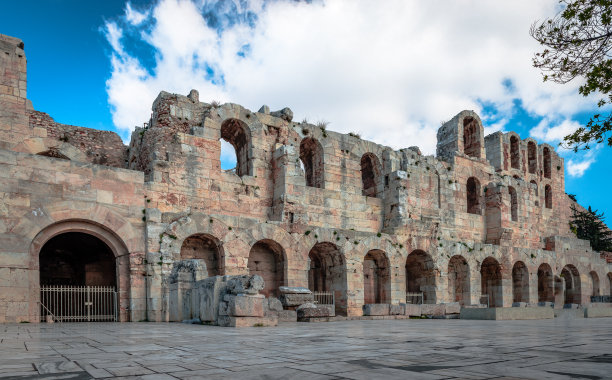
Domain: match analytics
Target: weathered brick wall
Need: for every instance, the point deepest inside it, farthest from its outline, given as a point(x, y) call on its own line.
point(360, 200)
point(98, 147)
point(39, 195)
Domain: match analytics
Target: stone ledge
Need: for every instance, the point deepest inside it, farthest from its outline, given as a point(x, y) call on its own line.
point(507, 313)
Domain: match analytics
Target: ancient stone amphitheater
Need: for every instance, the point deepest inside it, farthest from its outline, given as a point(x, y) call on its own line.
point(484, 222)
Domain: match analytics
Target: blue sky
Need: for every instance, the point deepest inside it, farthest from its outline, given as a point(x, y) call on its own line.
point(391, 73)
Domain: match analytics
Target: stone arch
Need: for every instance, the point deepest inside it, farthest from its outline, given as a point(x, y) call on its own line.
point(491, 281)
point(421, 276)
point(106, 235)
point(208, 250)
point(459, 280)
point(473, 196)
point(196, 224)
point(595, 290)
point(520, 282)
point(515, 153)
point(532, 157)
point(312, 157)
point(370, 175)
point(548, 196)
point(471, 137)
point(546, 289)
point(547, 162)
point(237, 133)
point(376, 277)
point(513, 204)
point(572, 284)
point(327, 273)
point(267, 258)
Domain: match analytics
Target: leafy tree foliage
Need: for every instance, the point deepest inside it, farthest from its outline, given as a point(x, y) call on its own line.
point(589, 225)
point(577, 43)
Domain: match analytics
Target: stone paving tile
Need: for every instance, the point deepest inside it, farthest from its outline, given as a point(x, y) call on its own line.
point(408, 349)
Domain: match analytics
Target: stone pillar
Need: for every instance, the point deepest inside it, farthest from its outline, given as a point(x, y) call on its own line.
point(533, 287)
point(475, 286)
point(507, 295)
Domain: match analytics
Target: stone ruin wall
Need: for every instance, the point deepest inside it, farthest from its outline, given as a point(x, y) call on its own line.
point(167, 186)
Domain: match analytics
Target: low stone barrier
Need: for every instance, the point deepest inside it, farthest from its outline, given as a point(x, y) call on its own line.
point(507, 313)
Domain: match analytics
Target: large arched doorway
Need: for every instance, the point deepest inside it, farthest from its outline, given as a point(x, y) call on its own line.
point(520, 282)
point(267, 259)
point(77, 259)
point(491, 282)
point(327, 273)
point(572, 284)
point(459, 280)
point(78, 279)
point(420, 275)
point(376, 277)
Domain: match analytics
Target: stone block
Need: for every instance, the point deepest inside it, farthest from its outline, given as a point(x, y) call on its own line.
point(376, 309)
point(245, 284)
point(274, 304)
point(245, 305)
point(310, 310)
point(413, 310)
point(229, 321)
point(397, 309)
point(507, 313)
point(571, 306)
point(546, 304)
point(287, 316)
point(293, 290)
point(433, 309)
point(597, 312)
point(519, 304)
point(452, 308)
point(296, 299)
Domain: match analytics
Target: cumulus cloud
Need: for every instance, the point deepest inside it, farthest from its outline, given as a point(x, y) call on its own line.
point(577, 167)
point(390, 71)
point(548, 131)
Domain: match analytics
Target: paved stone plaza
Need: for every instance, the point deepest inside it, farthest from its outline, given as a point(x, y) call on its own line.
point(406, 349)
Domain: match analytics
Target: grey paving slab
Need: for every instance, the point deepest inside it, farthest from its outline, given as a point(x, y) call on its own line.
point(407, 349)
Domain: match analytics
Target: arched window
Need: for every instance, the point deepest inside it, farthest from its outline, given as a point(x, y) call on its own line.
point(547, 163)
point(532, 157)
point(206, 248)
point(594, 284)
point(370, 175)
point(515, 154)
point(237, 134)
point(311, 154)
point(513, 204)
point(548, 196)
point(267, 259)
point(376, 277)
point(471, 137)
point(520, 282)
point(473, 196)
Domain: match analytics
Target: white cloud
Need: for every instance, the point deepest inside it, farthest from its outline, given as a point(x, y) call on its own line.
point(391, 71)
point(133, 16)
point(546, 131)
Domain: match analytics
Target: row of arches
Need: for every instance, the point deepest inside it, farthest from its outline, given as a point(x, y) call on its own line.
point(328, 272)
point(473, 198)
point(532, 157)
point(235, 133)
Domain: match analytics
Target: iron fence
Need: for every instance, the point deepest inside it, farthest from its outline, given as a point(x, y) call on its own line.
point(414, 298)
point(324, 298)
point(78, 303)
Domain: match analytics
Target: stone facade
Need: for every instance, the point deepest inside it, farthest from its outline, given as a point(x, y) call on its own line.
point(305, 207)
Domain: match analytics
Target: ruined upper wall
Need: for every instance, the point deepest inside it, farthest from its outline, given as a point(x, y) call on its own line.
point(24, 130)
